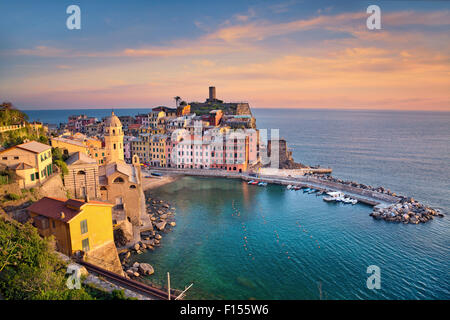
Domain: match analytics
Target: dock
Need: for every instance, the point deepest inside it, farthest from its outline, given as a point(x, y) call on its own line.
point(368, 197)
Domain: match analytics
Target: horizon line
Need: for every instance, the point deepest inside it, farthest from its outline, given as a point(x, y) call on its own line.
point(268, 108)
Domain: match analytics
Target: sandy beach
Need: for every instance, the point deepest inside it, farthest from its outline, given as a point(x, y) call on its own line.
point(155, 182)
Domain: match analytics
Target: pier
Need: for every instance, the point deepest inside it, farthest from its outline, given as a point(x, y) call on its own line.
point(368, 197)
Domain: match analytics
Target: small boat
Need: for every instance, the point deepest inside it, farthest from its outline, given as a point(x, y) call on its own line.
point(319, 193)
point(262, 184)
point(251, 181)
point(254, 182)
point(347, 200)
point(296, 188)
point(289, 187)
point(334, 196)
point(306, 190)
point(354, 201)
point(312, 191)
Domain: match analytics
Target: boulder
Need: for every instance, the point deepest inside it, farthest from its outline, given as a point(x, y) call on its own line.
point(145, 268)
point(158, 236)
point(130, 272)
point(136, 265)
point(136, 274)
point(161, 225)
point(136, 246)
point(173, 224)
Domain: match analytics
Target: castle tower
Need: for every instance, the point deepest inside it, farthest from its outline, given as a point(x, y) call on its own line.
point(113, 139)
point(212, 93)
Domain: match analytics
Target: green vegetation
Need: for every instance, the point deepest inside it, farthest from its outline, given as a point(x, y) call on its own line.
point(6, 176)
point(58, 158)
point(11, 116)
point(31, 270)
point(13, 196)
point(29, 267)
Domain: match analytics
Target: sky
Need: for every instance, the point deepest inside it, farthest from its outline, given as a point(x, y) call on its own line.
point(272, 54)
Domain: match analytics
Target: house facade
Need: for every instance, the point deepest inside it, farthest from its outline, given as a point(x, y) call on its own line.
point(31, 161)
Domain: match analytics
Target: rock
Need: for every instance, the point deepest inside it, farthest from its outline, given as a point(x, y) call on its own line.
point(130, 272)
point(145, 268)
point(136, 265)
point(136, 246)
point(163, 216)
point(136, 274)
point(161, 225)
point(158, 236)
point(143, 246)
point(173, 224)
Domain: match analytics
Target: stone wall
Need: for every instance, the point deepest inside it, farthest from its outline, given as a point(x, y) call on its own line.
point(105, 257)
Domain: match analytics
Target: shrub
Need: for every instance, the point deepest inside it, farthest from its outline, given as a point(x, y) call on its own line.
point(13, 196)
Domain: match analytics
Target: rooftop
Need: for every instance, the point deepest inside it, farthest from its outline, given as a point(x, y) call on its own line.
point(53, 207)
point(34, 146)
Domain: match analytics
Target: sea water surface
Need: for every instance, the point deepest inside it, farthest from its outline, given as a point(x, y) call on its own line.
point(235, 241)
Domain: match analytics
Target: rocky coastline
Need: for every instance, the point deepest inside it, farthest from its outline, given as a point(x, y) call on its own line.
point(406, 210)
point(162, 216)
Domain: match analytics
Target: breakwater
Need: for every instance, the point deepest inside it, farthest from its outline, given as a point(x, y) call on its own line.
point(388, 205)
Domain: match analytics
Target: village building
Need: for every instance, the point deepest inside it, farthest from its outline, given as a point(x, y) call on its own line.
point(78, 226)
point(82, 179)
point(31, 162)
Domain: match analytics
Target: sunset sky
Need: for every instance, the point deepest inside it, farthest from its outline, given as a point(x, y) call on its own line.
point(288, 54)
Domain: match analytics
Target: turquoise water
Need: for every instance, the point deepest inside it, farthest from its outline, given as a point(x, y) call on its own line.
point(296, 243)
point(408, 152)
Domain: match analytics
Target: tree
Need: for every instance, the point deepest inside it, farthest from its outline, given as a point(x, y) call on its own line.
point(177, 99)
point(30, 267)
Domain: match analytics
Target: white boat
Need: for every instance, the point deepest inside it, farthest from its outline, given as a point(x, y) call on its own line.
point(354, 201)
point(347, 200)
point(334, 196)
point(262, 184)
point(289, 186)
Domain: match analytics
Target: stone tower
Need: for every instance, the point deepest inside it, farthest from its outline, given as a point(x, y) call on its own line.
point(113, 139)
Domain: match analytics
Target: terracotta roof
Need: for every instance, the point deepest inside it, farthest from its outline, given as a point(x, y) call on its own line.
point(34, 146)
point(52, 208)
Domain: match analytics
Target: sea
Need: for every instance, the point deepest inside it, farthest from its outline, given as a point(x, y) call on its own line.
point(238, 241)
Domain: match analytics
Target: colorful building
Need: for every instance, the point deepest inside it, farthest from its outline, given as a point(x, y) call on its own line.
point(76, 225)
point(31, 161)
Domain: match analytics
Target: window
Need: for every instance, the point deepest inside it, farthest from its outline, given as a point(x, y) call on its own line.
point(16, 158)
point(83, 226)
point(118, 180)
point(85, 244)
point(5, 158)
point(32, 177)
point(53, 224)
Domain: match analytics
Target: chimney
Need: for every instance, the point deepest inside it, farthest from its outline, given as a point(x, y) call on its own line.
point(62, 215)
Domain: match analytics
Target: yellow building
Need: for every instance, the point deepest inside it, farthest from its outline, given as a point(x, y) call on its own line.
point(157, 150)
point(76, 225)
point(71, 144)
point(113, 139)
point(31, 161)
